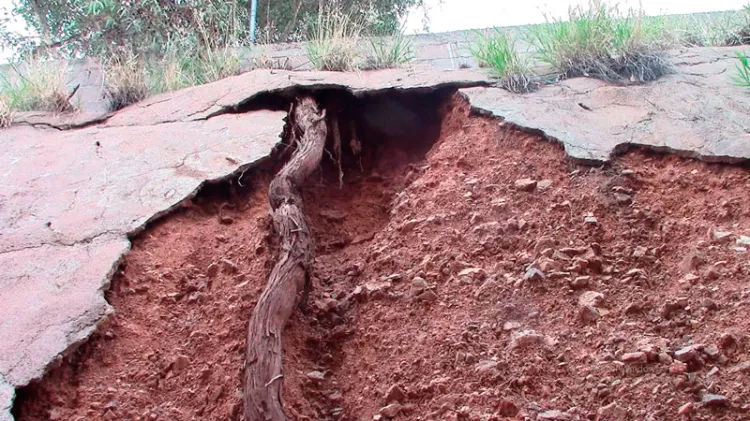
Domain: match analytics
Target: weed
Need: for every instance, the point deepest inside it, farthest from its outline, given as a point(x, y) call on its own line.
point(36, 84)
point(600, 42)
point(126, 82)
point(389, 52)
point(742, 78)
point(5, 114)
point(497, 52)
point(332, 44)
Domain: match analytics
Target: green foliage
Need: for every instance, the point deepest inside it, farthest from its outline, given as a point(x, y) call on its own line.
point(36, 84)
point(389, 52)
point(496, 51)
point(333, 40)
point(599, 41)
point(742, 78)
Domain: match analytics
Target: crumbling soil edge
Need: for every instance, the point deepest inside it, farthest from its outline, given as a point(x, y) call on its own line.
point(85, 334)
point(618, 150)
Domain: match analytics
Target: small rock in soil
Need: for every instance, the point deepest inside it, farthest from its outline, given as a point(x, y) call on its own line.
point(226, 220)
point(686, 409)
point(316, 376)
point(390, 411)
point(544, 184)
point(525, 184)
point(590, 220)
point(687, 353)
point(525, 338)
point(229, 266)
point(690, 262)
point(180, 363)
point(507, 408)
point(634, 358)
point(409, 225)
point(721, 236)
point(589, 303)
point(726, 340)
point(743, 367)
point(716, 401)
point(427, 296)
point(418, 285)
point(212, 270)
point(485, 366)
point(395, 394)
point(743, 240)
point(580, 282)
point(511, 325)
point(533, 274)
point(640, 252)
point(554, 415)
point(623, 199)
point(544, 243)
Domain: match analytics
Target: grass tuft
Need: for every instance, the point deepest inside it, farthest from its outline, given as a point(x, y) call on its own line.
point(126, 82)
point(742, 78)
point(497, 52)
point(5, 114)
point(600, 42)
point(332, 44)
point(36, 85)
point(389, 52)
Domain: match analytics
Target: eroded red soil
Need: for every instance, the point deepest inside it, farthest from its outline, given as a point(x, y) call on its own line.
point(444, 289)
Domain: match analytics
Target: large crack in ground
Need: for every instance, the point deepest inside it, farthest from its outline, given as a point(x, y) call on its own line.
point(446, 286)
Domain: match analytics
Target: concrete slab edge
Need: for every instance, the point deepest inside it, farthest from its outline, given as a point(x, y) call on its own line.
point(8, 391)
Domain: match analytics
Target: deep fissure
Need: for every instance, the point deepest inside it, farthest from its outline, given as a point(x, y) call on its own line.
point(397, 127)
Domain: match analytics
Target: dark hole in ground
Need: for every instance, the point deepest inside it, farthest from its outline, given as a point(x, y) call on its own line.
point(168, 307)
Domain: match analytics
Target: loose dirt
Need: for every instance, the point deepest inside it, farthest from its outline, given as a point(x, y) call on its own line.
point(482, 277)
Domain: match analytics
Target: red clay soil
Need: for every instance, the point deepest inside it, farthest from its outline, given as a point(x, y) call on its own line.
point(445, 287)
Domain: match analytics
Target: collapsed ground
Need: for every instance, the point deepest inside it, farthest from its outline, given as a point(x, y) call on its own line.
point(471, 273)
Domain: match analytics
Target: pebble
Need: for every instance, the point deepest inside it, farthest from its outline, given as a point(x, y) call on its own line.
point(525, 338)
point(507, 408)
point(511, 325)
point(317, 376)
point(686, 409)
point(418, 285)
point(525, 184)
point(721, 236)
point(634, 358)
point(544, 184)
point(212, 270)
point(395, 394)
point(687, 353)
point(485, 366)
point(390, 411)
point(409, 225)
point(743, 367)
point(623, 199)
point(591, 220)
point(712, 400)
point(554, 415)
point(589, 303)
point(180, 363)
point(427, 296)
point(226, 220)
point(640, 252)
point(580, 282)
point(533, 274)
point(678, 367)
point(743, 240)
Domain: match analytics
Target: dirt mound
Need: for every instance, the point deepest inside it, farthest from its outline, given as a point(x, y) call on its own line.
point(482, 277)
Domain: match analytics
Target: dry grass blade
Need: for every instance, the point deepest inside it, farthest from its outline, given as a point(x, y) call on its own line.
point(36, 85)
point(332, 44)
point(389, 52)
point(126, 82)
point(5, 114)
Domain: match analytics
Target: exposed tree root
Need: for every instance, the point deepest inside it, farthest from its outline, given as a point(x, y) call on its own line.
point(289, 277)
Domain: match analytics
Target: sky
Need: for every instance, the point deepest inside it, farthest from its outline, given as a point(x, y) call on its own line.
point(454, 15)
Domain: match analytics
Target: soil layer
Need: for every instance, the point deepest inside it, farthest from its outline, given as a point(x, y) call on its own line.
point(477, 276)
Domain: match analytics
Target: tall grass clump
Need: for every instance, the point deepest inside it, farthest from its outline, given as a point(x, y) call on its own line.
point(389, 52)
point(5, 113)
point(497, 52)
point(36, 85)
point(332, 44)
point(600, 42)
point(126, 82)
point(742, 78)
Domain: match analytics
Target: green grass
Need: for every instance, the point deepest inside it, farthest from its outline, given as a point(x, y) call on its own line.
point(36, 85)
point(332, 44)
point(601, 42)
point(126, 82)
point(496, 51)
point(742, 77)
point(389, 52)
